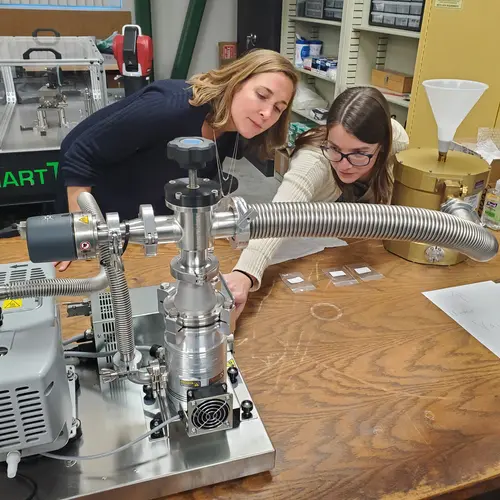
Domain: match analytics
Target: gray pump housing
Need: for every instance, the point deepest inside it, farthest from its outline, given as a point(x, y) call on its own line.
point(35, 402)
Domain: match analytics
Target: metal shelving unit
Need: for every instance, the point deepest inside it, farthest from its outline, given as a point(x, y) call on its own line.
point(323, 29)
point(394, 99)
point(360, 48)
point(390, 31)
point(315, 75)
point(366, 47)
point(316, 21)
point(307, 117)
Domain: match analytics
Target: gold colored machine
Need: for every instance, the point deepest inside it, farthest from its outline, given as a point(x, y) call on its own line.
point(428, 178)
point(421, 180)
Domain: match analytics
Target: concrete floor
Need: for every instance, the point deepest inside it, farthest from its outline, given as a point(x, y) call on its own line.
point(254, 186)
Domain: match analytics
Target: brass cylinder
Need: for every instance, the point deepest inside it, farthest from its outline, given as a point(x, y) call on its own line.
point(424, 178)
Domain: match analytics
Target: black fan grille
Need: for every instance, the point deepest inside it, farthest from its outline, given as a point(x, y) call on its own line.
point(210, 414)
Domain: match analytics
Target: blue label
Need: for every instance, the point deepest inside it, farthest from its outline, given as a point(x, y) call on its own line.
point(192, 142)
point(479, 185)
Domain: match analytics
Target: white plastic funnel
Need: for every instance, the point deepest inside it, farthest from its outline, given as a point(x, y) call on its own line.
point(451, 101)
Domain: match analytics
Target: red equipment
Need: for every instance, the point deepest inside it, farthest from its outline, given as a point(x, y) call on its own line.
point(133, 52)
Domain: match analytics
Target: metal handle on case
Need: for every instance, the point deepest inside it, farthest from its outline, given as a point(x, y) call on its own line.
point(38, 30)
point(27, 54)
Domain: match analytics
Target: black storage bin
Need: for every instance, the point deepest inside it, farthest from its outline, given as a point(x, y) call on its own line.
point(397, 14)
point(314, 8)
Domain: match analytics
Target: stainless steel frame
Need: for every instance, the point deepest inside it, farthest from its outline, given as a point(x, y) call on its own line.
point(114, 414)
point(10, 95)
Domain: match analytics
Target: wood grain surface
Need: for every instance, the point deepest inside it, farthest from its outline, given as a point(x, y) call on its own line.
point(367, 391)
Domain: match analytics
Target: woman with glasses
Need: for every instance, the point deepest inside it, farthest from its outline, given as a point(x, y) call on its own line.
point(348, 160)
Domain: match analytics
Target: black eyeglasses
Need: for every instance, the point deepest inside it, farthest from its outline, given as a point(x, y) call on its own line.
point(355, 159)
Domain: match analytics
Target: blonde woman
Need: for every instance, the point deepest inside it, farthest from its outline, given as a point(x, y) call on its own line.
point(119, 152)
point(348, 160)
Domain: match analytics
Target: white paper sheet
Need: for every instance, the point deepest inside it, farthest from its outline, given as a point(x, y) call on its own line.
point(296, 248)
point(475, 307)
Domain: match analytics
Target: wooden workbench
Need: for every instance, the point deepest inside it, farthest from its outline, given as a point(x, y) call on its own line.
point(391, 400)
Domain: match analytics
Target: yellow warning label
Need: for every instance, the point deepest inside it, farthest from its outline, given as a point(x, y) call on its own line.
point(84, 219)
point(191, 383)
point(231, 362)
point(12, 304)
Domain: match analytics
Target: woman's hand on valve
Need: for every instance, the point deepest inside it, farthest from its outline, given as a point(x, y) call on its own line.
point(239, 284)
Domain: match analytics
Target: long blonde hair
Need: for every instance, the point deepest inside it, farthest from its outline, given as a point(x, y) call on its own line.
point(218, 86)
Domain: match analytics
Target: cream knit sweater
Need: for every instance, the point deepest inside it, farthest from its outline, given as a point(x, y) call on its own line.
point(309, 178)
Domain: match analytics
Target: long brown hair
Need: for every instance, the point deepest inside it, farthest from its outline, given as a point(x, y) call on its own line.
point(364, 113)
point(218, 86)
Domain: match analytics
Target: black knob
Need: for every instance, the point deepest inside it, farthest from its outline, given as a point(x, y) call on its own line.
point(191, 152)
point(155, 422)
point(149, 398)
point(233, 374)
point(153, 352)
point(246, 408)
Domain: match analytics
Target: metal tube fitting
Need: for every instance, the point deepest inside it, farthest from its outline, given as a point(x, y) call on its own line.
point(460, 208)
point(167, 228)
point(224, 224)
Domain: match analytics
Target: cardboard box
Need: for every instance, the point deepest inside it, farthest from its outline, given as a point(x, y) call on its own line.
point(392, 80)
point(228, 52)
point(281, 162)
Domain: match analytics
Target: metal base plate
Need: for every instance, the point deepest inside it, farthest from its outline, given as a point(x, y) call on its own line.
point(115, 414)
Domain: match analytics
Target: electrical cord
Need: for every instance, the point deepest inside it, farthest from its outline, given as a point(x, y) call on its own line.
point(117, 450)
point(28, 482)
point(77, 338)
point(103, 354)
point(127, 236)
point(31, 483)
point(88, 355)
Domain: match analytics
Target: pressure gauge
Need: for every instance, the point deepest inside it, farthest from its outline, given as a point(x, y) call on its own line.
point(434, 254)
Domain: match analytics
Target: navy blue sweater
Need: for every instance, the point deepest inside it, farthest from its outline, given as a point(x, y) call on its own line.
point(120, 150)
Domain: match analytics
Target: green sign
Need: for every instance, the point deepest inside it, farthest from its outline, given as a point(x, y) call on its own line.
point(35, 177)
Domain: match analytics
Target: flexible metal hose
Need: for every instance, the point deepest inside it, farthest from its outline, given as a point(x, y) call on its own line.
point(53, 287)
point(385, 222)
point(120, 297)
point(59, 287)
